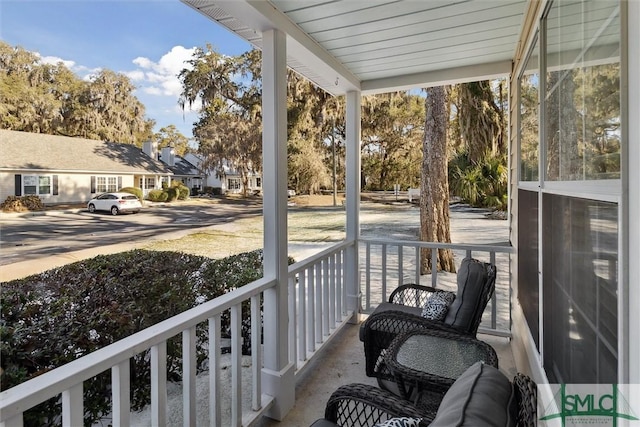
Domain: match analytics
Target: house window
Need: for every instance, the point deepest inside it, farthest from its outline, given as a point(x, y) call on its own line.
point(234, 183)
point(570, 189)
point(582, 108)
point(148, 183)
point(106, 184)
point(258, 182)
point(529, 106)
point(580, 290)
point(38, 185)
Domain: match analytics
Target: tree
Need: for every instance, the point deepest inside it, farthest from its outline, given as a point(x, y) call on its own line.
point(170, 136)
point(477, 170)
point(391, 139)
point(434, 185)
point(44, 98)
point(480, 121)
point(311, 115)
point(229, 129)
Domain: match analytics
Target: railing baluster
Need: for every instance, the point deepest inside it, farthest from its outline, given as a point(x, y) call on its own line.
point(73, 407)
point(332, 291)
point(325, 297)
point(120, 388)
point(384, 272)
point(293, 315)
point(159, 385)
point(434, 268)
point(311, 310)
point(189, 377)
point(215, 413)
point(236, 365)
point(342, 289)
point(256, 345)
point(400, 265)
point(317, 320)
point(367, 303)
point(417, 278)
point(302, 316)
point(494, 308)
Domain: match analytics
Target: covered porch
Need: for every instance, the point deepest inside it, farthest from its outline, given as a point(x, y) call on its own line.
point(350, 49)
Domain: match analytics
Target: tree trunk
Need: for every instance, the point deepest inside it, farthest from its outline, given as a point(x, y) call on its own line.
point(434, 185)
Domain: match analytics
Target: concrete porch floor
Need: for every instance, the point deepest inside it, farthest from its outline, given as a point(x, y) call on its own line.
point(342, 362)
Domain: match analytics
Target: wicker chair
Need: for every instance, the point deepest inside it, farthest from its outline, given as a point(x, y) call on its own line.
point(361, 405)
point(403, 312)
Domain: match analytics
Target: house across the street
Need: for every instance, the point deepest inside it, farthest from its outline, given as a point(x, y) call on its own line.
point(226, 177)
point(62, 169)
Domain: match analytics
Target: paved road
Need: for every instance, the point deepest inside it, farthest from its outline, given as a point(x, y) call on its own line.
point(29, 237)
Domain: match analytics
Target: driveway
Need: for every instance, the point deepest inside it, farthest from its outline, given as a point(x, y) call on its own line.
point(38, 235)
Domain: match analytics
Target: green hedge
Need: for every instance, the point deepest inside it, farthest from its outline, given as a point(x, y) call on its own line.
point(52, 318)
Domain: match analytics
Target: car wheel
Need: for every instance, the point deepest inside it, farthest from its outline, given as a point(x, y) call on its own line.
point(92, 208)
point(114, 210)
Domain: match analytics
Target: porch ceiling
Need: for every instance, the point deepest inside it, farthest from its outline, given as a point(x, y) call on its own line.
point(382, 45)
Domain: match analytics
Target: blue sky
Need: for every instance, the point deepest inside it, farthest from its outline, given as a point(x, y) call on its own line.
point(148, 40)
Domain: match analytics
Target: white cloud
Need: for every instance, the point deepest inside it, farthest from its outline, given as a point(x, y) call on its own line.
point(135, 75)
point(152, 90)
point(54, 60)
point(161, 77)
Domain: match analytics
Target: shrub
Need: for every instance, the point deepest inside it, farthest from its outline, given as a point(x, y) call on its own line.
point(62, 314)
point(183, 192)
point(172, 194)
point(22, 203)
point(135, 191)
point(158, 195)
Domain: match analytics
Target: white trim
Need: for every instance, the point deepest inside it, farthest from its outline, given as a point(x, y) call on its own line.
point(353, 124)
point(277, 373)
point(606, 191)
point(631, 182)
point(525, 354)
point(466, 74)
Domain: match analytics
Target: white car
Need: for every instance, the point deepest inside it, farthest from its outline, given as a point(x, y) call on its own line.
point(115, 203)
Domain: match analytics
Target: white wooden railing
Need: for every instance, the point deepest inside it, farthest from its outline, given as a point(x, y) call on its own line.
point(386, 264)
point(317, 307)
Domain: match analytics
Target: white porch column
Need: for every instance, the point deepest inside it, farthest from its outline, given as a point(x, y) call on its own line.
point(353, 201)
point(278, 373)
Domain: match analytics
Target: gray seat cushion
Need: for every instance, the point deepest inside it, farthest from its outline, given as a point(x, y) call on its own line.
point(472, 281)
point(481, 396)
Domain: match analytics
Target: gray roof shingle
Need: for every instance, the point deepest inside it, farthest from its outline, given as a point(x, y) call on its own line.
point(37, 151)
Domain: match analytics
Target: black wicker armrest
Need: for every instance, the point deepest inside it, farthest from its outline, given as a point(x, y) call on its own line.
point(527, 398)
point(362, 405)
point(413, 295)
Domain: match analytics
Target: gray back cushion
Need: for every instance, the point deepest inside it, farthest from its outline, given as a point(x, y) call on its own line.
point(481, 396)
point(472, 281)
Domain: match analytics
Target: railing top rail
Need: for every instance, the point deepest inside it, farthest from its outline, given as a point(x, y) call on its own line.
point(28, 394)
point(301, 265)
point(499, 247)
